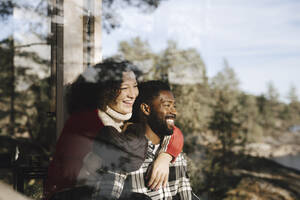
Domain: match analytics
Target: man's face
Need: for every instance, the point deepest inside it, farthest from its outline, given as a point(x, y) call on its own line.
point(163, 114)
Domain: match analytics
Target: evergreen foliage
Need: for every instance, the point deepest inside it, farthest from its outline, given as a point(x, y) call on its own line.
point(217, 118)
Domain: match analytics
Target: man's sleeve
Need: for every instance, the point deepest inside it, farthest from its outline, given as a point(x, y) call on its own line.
point(110, 186)
point(173, 144)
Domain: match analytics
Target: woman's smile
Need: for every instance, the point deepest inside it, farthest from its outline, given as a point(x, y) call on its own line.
point(128, 93)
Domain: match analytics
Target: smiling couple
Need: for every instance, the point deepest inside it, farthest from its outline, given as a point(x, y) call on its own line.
point(120, 140)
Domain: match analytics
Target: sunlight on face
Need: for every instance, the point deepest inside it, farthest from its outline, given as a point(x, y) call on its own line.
point(128, 93)
point(163, 113)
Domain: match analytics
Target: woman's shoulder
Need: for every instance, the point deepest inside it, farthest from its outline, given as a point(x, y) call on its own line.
point(85, 120)
point(116, 147)
point(130, 132)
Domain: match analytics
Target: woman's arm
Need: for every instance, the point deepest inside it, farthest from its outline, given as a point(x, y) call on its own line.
point(170, 149)
point(173, 144)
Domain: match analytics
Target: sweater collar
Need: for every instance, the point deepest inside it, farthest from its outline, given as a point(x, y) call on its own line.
point(113, 118)
point(118, 116)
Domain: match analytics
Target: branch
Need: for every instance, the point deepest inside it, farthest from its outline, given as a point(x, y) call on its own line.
point(31, 44)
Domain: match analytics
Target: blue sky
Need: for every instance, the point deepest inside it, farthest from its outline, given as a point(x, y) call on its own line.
point(259, 38)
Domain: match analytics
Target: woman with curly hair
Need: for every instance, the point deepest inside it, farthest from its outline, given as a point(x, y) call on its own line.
point(100, 102)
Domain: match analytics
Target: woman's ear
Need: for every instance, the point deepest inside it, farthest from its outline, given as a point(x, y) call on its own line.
point(145, 108)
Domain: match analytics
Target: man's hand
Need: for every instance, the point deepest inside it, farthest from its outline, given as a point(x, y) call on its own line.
point(160, 171)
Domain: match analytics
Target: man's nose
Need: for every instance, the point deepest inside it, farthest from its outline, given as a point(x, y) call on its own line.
point(173, 110)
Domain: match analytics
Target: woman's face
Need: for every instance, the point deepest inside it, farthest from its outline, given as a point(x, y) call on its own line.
point(128, 93)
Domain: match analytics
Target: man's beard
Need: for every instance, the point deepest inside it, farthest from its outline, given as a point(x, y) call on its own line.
point(159, 126)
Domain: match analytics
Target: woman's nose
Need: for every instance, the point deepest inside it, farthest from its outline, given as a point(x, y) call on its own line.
point(132, 92)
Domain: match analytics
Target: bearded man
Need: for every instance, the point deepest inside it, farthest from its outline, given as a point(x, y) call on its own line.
point(155, 109)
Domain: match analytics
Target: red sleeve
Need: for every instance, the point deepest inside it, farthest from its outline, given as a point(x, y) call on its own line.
point(175, 144)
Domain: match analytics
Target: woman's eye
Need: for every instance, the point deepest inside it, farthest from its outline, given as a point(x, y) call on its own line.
point(123, 88)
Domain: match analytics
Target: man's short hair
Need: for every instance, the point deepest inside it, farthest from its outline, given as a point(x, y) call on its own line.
point(147, 92)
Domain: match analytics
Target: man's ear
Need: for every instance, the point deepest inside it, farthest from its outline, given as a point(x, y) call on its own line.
point(145, 109)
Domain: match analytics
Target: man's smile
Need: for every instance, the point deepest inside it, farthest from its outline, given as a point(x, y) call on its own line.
point(170, 119)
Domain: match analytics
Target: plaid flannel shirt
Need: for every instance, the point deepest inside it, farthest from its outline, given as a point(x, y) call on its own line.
point(112, 184)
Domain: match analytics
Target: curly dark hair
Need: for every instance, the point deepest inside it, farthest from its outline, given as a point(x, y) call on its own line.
point(147, 92)
point(98, 86)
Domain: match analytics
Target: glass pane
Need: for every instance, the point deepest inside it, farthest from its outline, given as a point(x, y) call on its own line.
point(27, 131)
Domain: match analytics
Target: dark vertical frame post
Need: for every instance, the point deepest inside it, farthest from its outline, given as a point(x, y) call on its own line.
point(57, 57)
point(70, 53)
